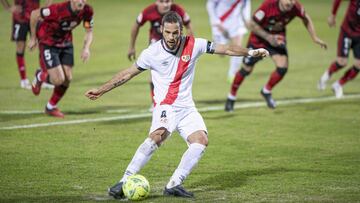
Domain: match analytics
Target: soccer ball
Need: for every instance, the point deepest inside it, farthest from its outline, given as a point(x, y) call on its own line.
point(136, 187)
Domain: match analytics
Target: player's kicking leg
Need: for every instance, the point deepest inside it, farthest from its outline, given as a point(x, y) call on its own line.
point(140, 158)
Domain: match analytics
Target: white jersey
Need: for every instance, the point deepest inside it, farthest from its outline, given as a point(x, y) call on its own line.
point(173, 72)
point(231, 14)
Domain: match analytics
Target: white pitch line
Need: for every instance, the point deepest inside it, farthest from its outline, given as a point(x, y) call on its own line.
point(204, 109)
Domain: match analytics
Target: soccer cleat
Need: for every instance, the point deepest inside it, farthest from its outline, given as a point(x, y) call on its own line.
point(338, 90)
point(269, 100)
point(116, 191)
point(229, 105)
point(25, 84)
point(55, 112)
point(322, 82)
point(46, 85)
point(36, 84)
point(178, 191)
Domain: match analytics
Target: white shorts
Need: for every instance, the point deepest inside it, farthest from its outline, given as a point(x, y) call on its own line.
point(185, 120)
point(220, 38)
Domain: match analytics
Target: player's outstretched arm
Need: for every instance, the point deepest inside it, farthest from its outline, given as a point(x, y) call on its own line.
point(133, 35)
point(34, 19)
point(233, 50)
point(119, 79)
point(332, 18)
point(311, 29)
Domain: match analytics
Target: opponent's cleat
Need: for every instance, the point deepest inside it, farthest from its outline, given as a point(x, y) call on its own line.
point(54, 112)
point(25, 84)
point(322, 82)
point(229, 105)
point(178, 191)
point(116, 191)
point(46, 85)
point(36, 84)
point(269, 100)
point(338, 90)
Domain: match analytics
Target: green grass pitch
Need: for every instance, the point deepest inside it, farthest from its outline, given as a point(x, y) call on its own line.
point(296, 153)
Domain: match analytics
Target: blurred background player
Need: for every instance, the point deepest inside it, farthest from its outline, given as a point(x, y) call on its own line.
point(154, 13)
point(54, 36)
point(349, 38)
point(268, 29)
point(229, 20)
point(21, 11)
point(175, 108)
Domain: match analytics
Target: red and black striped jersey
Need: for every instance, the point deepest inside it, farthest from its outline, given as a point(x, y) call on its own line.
point(59, 21)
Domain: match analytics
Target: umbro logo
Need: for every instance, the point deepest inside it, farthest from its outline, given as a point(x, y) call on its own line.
point(185, 58)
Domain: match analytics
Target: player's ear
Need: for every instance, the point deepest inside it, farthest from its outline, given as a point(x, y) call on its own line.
point(161, 28)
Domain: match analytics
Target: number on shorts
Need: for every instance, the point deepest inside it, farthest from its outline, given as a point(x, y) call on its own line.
point(17, 29)
point(47, 54)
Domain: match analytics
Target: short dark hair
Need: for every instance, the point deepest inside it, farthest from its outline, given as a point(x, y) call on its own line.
point(172, 17)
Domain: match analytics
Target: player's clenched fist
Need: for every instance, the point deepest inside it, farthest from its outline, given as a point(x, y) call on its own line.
point(259, 52)
point(93, 94)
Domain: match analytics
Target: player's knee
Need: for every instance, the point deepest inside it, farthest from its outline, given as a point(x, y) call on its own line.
point(159, 135)
point(281, 70)
point(246, 70)
point(57, 81)
point(243, 72)
point(199, 137)
point(341, 62)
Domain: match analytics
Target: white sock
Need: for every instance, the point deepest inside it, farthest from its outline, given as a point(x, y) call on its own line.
point(49, 106)
point(141, 157)
point(266, 91)
point(235, 62)
point(231, 97)
point(188, 161)
point(325, 77)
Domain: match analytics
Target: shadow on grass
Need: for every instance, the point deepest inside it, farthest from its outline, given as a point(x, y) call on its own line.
point(234, 179)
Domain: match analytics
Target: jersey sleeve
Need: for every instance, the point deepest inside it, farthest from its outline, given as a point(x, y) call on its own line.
point(143, 62)
point(260, 13)
point(88, 21)
point(49, 13)
point(144, 15)
point(335, 6)
point(185, 16)
point(299, 10)
point(204, 46)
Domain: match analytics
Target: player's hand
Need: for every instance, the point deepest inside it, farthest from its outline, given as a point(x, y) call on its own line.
point(32, 43)
point(321, 43)
point(276, 40)
point(15, 9)
point(131, 54)
point(85, 55)
point(93, 94)
point(331, 21)
point(259, 52)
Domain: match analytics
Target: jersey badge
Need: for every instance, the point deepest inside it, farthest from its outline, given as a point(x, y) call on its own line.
point(185, 58)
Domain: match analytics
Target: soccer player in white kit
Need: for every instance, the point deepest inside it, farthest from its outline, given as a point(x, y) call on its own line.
point(172, 63)
point(229, 20)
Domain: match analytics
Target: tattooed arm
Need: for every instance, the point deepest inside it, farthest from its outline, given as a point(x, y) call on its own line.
point(119, 79)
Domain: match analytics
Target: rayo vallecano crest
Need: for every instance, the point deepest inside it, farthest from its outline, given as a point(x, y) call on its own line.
point(185, 58)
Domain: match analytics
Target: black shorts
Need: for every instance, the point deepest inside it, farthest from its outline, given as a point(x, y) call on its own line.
point(251, 61)
point(20, 31)
point(345, 43)
point(51, 57)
